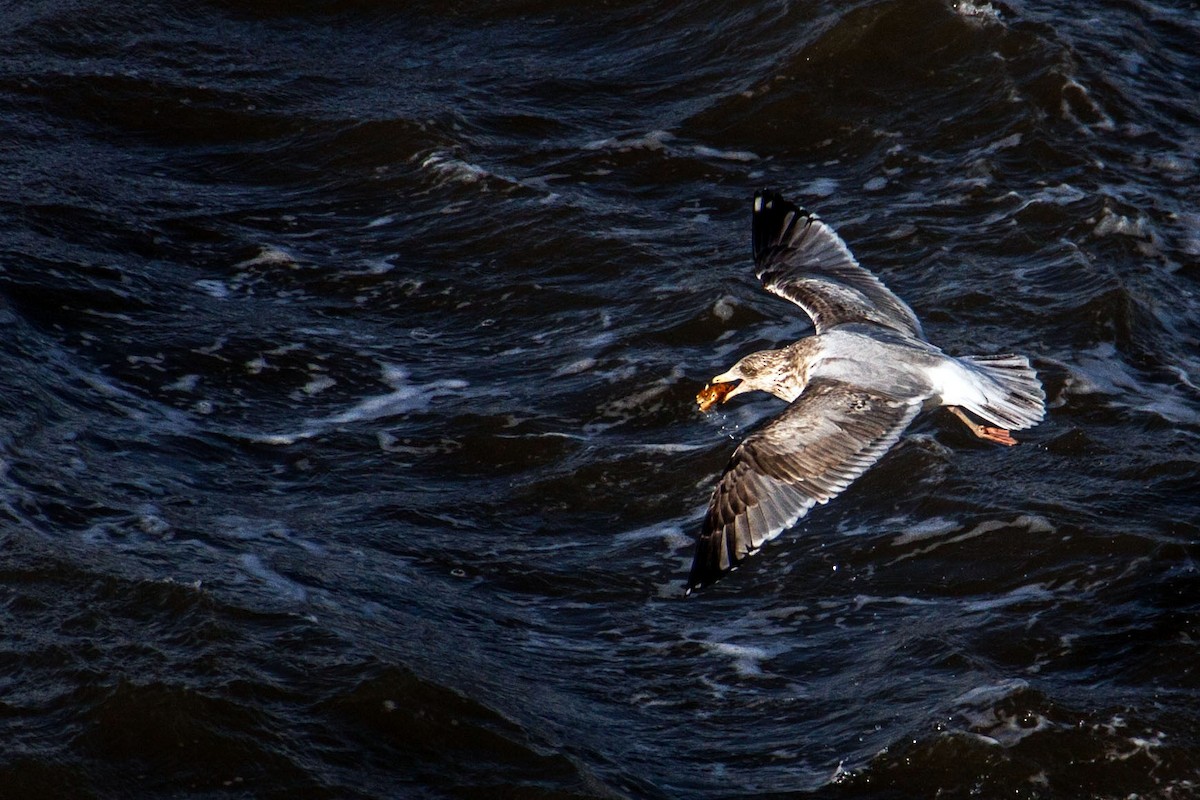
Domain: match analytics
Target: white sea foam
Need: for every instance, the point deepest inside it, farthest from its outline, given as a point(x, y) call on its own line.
point(213, 288)
point(653, 140)
point(976, 11)
point(185, 383)
point(727, 155)
point(747, 660)
point(724, 307)
point(1190, 241)
point(668, 447)
point(1059, 195)
point(1176, 410)
point(645, 400)
point(236, 526)
point(254, 566)
point(862, 601)
point(1018, 596)
point(404, 398)
point(1101, 370)
point(454, 169)
point(268, 256)
point(821, 187)
point(938, 533)
point(989, 695)
point(660, 140)
point(668, 531)
point(1077, 100)
point(575, 367)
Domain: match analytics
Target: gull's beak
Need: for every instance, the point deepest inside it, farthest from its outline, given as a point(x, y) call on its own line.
point(739, 384)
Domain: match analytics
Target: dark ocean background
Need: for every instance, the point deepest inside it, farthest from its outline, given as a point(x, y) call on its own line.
point(348, 446)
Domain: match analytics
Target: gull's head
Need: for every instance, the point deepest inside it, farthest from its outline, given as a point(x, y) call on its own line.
point(757, 371)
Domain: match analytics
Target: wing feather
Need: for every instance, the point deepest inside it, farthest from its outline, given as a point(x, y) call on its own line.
point(807, 455)
point(800, 258)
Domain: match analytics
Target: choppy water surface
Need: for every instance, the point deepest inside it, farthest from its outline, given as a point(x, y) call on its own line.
point(349, 447)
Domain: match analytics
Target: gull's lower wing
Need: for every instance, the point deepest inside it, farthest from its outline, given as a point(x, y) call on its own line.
point(808, 454)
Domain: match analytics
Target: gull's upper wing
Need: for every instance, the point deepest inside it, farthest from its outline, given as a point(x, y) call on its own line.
point(800, 258)
point(808, 454)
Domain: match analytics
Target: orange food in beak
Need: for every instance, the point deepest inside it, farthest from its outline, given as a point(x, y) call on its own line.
point(712, 394)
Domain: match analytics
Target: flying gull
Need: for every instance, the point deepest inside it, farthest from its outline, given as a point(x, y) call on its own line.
point(852, 388)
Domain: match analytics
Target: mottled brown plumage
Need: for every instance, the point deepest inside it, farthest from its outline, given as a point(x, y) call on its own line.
point(853, 388)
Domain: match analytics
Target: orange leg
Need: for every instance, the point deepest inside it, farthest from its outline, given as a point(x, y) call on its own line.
point(997, 435)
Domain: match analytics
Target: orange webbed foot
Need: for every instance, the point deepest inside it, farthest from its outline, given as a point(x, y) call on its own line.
point(997, 435)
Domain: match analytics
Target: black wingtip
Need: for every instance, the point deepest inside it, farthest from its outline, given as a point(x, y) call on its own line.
point(694, 581)
point(711, 561)
point(700, 575)
point(773, 218)
point(704, 576)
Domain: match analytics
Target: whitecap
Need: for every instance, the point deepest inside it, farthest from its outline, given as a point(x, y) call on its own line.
point(821, 187)
point(1100, 370)
point(976, 11)
point(268, 256)
point(937, 533)
point(669, 531)
point(318, 384)
point(747, 660)
point(405, 398)
point(575, 367)
point(454, 169)
point(213, 288)
point(724, 307)
point(254, 566)
point(726, 155)
point(185, 383)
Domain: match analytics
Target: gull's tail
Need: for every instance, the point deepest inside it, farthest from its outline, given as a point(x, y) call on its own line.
point(1014, 398)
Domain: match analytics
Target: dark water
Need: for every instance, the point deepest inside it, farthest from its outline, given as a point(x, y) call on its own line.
point(349, 448)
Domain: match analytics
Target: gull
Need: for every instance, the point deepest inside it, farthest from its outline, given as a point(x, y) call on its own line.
point(852, 389)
